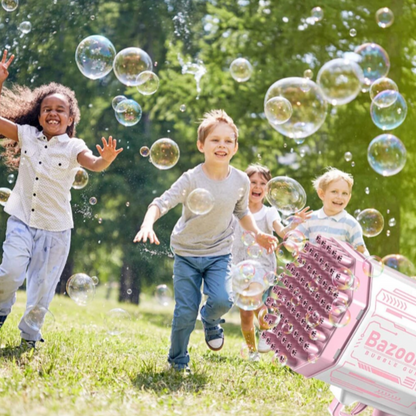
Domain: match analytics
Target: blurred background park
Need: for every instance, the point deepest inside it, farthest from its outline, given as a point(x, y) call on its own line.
point(280, 40)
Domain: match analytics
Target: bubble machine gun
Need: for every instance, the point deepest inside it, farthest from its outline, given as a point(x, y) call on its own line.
point(346, 320)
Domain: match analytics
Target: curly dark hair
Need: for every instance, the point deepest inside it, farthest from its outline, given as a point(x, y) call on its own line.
point(22, 106)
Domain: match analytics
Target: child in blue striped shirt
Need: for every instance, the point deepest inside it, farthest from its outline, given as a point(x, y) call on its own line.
point(334, 189)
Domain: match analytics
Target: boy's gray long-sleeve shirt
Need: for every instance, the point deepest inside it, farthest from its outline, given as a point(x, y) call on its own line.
point(210, 234)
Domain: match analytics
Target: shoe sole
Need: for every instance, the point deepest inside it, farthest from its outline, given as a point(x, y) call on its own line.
point(215, 349)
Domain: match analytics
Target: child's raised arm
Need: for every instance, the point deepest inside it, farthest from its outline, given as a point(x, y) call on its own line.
point(299, 218)
point(7, 128)
point(146, 230)
point(107, 155)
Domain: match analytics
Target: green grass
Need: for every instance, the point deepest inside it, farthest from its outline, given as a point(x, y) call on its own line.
point(82, 370)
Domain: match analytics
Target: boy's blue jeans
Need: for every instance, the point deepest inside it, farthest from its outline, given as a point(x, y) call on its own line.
point(188, 273)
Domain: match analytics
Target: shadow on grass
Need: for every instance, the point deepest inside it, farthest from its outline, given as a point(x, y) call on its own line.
point(14, 353)
point(168, 380)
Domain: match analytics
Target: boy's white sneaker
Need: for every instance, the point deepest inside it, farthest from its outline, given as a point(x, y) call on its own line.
point(263, 347)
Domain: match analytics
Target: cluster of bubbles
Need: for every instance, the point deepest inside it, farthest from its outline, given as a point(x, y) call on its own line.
point(81, 178)
point(81, 288)
point(200, 201)
point(4, 195)
point(163, 295)
point(197, 69)
point(286, 194)
point(371, 221)
point(241, 69)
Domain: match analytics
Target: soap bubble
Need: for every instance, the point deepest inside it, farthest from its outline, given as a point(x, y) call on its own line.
point(10, 178)
point(80, 288)
point(367, 190)
point(392, 222)
point(148, 82)
point(81, 178)
point(286, 194)
point(278, 110)
point(241, 69)
point(317, 14)
point(373, 266)
point(248, 238)
point(374, 61)
point(340, 315)
point(4, 195)
point(25, 27)
point(129, 63)
point(343, 279)
point(388, 110)
point(182, 108)
point(348, 156)
point(384, 17)
point(255, 251)
point(10, 5)
point(308, 106)
point(117, 100)
point(164, 154)
point(384, 84)
point(128, 113)
point(340, 80)
point(36, 316)
point(353, 32)
point(117, 321)
point(144, 151)
point(94, 56)
point(163, 295)
point(400, 263)
point(93, 200)
point(371, 221)
point(386, 154)
point(294, 240)
point(95, 280)
point(308, 73)
point(200, 201)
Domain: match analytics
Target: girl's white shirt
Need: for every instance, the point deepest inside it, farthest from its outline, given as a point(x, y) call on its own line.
point(42, 193)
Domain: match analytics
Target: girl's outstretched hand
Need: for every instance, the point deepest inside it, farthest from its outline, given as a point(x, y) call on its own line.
point(267, 241)
point(109, 152)
point(4, 65)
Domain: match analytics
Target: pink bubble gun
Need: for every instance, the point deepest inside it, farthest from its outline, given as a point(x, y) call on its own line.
point(345, 320)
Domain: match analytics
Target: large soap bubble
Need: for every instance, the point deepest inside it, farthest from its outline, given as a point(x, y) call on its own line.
point(10, 5)
point(317, 14)
point(80, 288)
point(286, 194)
point(117, 321)
point(128, 112)
point(384, 84)
point(81, 179)
point(374, 61)
point(128, 64)
point(164, 153)
point(94, 56)
point(384, 17)
point(308, 105)
point(399, 263)
point(388, 116)
point(371, 221)
point(241, 69)
point(148, 83)
point(386, 154)
point(341, 80)
point(200, 201)
point(4, 195)
point(278, 110)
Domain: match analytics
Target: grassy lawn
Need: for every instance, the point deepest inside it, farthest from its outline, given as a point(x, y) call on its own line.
point(82, 370)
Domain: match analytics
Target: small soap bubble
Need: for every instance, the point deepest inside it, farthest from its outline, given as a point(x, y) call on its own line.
point(400, 263)
point(255, 251)
point(340, 315)
point(25, 27)
point(100, 220)
point(388, 110)
point(128, 112)
point(94, 56)
point(4, 195)
point(353, 33)
point(348, 156)
point(10, 5)
point(384, 17)
point(200, 201)
point(352, 164)
point(367, 190)
point(182, 108)
point(371, 221)
point(317, 14)
point(286, 194)
point(11, 178)
point(373, 266)
point(163, 295)
point(392, 222)
point(308, 73)
point(164, 154)
point(117, 100)
point(248, 238)
point(117, 321)
point(80, 288)
point(81, 179)
point(127, 204)
point(129, 291)
point(36, 316)
point(278, 110)
point(144, 151)
point(387, 155)
point(388, 233)
point(384, 84)
point(147, 83)
point(93, 200)
point(129, 63)
point(241, 69)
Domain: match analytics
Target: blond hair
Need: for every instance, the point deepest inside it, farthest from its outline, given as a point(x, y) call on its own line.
point(260, 169)
point(331, 175)
point(212, 119)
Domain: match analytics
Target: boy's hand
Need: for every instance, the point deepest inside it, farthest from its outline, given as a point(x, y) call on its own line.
point(269, 242)
point(109, 152)
point(4, 65)
point(301, 216)
point(145, 233)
